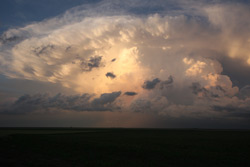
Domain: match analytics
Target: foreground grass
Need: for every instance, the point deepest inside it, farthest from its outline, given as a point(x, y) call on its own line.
point(123, 147)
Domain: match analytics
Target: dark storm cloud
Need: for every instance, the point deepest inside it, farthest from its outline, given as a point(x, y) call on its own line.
point(92, 62)
point(110, 75)
point(45, 103)
point(151, 84)
point(130, 93)
point(237, 69)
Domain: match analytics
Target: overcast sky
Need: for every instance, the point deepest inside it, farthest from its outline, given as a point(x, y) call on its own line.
point(134, 63)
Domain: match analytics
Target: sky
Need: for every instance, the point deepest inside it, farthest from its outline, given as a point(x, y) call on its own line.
point(134, 63)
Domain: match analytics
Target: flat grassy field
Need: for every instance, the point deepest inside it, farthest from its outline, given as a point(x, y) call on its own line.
point(92, 147)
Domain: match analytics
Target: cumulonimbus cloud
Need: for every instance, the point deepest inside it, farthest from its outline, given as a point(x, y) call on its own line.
point(177, 55)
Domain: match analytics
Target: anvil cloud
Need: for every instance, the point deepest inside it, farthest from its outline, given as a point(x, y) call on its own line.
point(173, 59)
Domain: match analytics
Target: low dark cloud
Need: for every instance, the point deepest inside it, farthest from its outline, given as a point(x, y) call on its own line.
point(234, 111)
point(68, 48)
point(46, 103)
point(106, 98)
point(213, 92)
point(218, 87)
point(110, 75)
point(167, 82)
point(163, 84)
point(151, 84)
point(141, 105)
point(228, 108)
point(92, 62)
point(197, 88)
point(130, 93)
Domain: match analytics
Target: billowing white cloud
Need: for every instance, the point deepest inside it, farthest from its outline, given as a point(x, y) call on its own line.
point(170, 61)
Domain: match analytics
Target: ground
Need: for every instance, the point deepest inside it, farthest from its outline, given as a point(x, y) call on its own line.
point(35, 147)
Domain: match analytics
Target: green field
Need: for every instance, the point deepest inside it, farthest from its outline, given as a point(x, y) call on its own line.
point(24, 147)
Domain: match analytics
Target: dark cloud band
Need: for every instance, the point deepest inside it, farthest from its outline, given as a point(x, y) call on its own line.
point(44, 103)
